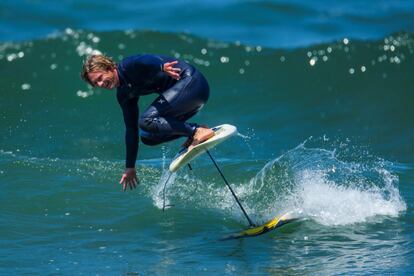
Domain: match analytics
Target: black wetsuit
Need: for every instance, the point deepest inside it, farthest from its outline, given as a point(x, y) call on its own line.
point(164, 120)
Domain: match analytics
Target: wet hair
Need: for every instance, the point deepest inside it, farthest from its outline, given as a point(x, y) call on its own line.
point(96, 63)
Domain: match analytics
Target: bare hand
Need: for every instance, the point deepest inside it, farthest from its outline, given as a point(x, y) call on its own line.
point(171, 71)
point(129, 178)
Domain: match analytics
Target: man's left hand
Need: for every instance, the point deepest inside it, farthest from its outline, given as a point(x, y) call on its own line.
point(171, 71)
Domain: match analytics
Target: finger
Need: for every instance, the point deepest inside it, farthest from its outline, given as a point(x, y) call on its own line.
point(174, 74)
point(169, 64)
point(130, 185)
point(122, 179)
point(176, 69)
point(124, 186)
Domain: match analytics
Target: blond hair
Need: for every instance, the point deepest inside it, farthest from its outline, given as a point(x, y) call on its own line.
point(96, 63)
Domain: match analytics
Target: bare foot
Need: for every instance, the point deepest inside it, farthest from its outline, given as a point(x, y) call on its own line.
point(189, 140)
point(201, 134)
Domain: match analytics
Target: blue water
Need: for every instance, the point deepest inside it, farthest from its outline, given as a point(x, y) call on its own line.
point(322, 97)
point(267, 23)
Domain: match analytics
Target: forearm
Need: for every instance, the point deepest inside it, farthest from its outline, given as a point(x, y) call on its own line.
point(131, 142)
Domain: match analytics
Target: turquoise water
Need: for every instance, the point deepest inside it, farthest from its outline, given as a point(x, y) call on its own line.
point(325, 132)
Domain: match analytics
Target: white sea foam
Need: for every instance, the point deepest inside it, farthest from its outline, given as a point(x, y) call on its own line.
point(317, 185)
point(331, 203)
point(160, 191)
point(310, 183)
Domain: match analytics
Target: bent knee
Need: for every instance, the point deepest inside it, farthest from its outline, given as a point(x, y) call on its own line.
point(144, 123)
point(148, 124)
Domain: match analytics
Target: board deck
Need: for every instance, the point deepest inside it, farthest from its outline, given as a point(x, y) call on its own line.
point(221, 133)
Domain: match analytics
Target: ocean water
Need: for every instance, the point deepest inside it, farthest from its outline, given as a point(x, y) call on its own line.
point(322, 97)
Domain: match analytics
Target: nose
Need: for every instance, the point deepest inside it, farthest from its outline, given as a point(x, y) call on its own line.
point(100, 83)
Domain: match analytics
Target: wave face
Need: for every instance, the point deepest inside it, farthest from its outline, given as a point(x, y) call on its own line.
point(271, 23)
point(62, 152)
point(348, 89)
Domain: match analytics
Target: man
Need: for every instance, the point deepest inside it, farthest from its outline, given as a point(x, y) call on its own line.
point(182, 90)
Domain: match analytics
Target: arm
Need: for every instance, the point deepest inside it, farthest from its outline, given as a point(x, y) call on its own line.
point(130, 112)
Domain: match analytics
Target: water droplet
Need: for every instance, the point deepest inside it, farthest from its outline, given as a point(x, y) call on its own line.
point(69, 31)
point(11, 57)
point(224, 59)
point(26, 86)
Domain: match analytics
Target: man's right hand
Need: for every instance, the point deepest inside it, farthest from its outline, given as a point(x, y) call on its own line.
point(129, 178)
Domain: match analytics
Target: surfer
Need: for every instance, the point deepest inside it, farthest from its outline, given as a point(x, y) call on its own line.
point(182, 90)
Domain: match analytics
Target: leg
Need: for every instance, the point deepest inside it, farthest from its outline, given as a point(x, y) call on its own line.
point(165, 119)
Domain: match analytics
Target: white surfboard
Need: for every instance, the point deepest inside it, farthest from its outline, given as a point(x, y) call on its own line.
point(221, 133)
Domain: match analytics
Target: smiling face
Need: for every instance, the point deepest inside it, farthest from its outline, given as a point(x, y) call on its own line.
point(104, 79)
point(100, 71)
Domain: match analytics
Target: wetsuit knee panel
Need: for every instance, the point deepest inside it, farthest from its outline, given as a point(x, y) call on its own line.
point(148, 124)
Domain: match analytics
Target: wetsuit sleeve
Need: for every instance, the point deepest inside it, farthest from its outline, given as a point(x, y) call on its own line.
point(130, 111)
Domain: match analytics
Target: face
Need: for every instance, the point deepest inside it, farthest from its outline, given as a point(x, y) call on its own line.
point(104, 79)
